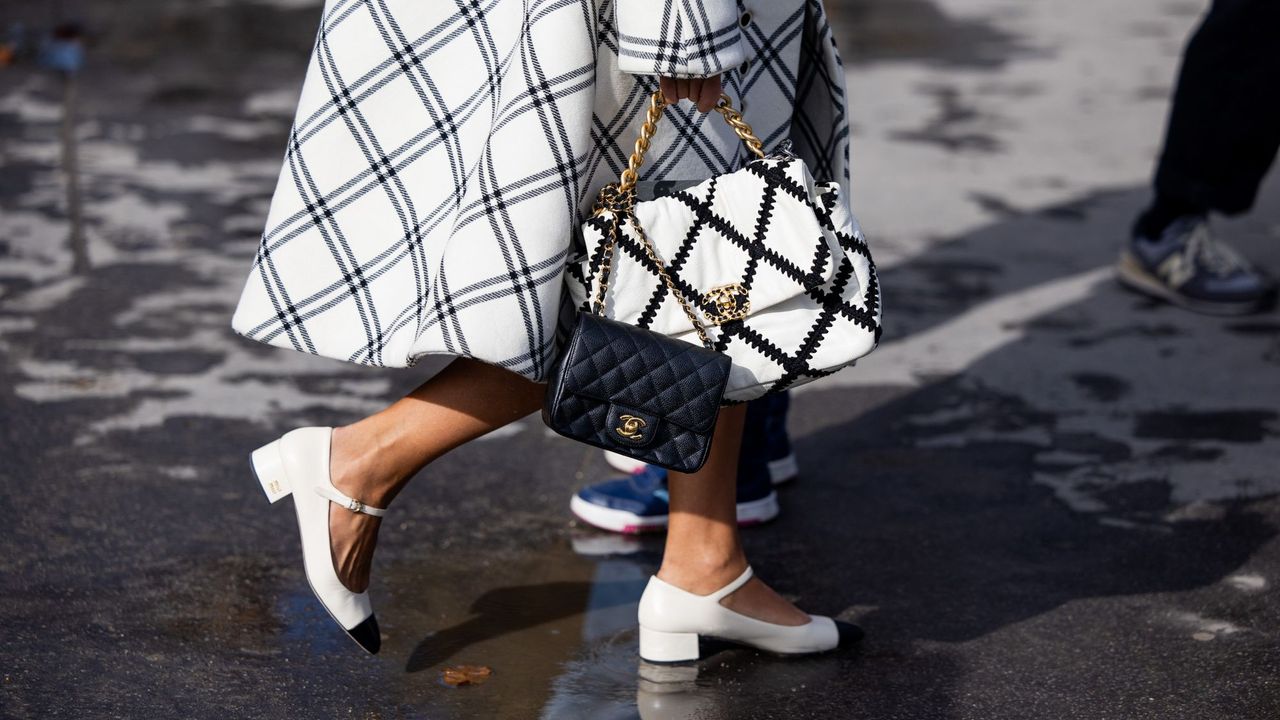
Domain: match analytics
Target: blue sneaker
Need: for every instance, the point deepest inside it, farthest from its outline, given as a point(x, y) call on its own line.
point(637, 503)
point(1189, 267)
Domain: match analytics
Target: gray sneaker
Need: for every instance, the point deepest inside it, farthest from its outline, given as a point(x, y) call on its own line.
point(1190, 267)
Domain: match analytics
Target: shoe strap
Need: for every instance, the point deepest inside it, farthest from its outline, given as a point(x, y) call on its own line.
point(333, 494)
point(728, 590)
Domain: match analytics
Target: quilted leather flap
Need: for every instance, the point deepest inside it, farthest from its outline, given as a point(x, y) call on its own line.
point(764, 232)
point(676, 381)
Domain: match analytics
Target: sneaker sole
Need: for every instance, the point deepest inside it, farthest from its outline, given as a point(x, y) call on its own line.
point(622, 463)
point(1132, 275)
point(750, 513)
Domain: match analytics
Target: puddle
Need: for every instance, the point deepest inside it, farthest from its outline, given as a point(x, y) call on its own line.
point(918, 30)
point(557, 628)
point(156, 64)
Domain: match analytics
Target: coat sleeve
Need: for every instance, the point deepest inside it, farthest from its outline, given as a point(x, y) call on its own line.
point(678, 38)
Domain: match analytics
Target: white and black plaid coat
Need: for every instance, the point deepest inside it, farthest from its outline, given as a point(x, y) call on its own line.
point(443, 152)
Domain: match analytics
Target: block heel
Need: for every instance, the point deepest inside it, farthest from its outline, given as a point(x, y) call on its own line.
point(268, 467)
point(667, 647)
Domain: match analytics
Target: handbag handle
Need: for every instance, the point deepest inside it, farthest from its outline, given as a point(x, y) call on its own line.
point(618, 199)
point(657, 103)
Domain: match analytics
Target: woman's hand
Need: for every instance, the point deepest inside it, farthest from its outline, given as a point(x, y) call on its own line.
point(704, 92)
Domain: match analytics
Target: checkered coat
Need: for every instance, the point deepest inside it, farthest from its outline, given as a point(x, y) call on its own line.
point(443, 151)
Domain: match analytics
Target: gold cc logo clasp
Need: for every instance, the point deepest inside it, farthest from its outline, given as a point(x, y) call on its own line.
point(631, 427)
point(726, 303)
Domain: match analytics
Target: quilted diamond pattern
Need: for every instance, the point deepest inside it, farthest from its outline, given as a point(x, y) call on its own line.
point(608, 363)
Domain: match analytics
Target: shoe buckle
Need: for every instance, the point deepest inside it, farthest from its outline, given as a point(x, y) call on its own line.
point(355, 506)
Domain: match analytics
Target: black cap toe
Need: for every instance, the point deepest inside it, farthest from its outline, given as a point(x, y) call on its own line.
point(850, 634)
point(369, 637)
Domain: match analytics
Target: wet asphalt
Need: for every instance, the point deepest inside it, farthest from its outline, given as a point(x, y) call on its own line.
point(1043, 497)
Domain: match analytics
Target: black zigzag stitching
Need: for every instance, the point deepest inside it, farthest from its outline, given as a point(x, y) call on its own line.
point(673, 268)
point(777, 175)
point(851, 243)
point(750, 336)
point(767, 203)
point(835, 299)
point(826, 317)
point(731, 233)
point(871, 299)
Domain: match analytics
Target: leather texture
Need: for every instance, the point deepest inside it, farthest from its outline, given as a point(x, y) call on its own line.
point(638, 393)
point(666, 610)
point(789, 243)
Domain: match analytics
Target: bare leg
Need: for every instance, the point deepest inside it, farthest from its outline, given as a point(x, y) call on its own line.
point(373, 459)
point(703, 552)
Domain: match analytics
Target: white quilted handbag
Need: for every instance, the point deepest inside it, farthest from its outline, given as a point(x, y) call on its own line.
point(761, 264)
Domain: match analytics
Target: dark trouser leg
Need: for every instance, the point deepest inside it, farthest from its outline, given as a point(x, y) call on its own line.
point(1224, 129)
point(779, 441)
point(753, 458)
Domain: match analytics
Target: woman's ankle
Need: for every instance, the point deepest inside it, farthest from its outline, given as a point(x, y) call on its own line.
point(702, 575)
point(354, 468)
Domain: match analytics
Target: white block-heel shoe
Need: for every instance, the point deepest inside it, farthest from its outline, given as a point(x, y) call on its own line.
point(672, 620)
point(298, 464)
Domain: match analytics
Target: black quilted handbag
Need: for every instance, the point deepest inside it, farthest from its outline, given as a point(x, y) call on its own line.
point(638, 393)
point(633, 391)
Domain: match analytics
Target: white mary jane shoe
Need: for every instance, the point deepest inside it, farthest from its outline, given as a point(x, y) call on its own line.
point(298, 463)
point(672, 620)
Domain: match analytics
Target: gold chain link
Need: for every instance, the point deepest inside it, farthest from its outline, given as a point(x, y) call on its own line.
point(657, 103)
point(622, 209)
point(671, 285)
point(619, 199)
point(606, 265)
point(740, 126)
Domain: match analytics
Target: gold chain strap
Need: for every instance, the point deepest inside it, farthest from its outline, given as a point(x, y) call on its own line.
point(657, 103)
point(619, 199)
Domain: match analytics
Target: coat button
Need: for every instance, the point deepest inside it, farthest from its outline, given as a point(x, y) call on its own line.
point(745, 20)
point(744, 67)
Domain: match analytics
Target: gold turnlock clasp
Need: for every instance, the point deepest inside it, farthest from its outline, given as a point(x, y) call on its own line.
point(726, 303)
point(631, 427)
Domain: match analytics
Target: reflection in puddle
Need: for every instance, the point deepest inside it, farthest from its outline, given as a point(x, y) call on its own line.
point(600, 682)
point(672, 693)
point(608, 681)
point(307, 626)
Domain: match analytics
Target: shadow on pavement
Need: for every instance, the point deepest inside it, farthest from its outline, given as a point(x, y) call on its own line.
point(501, 611)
